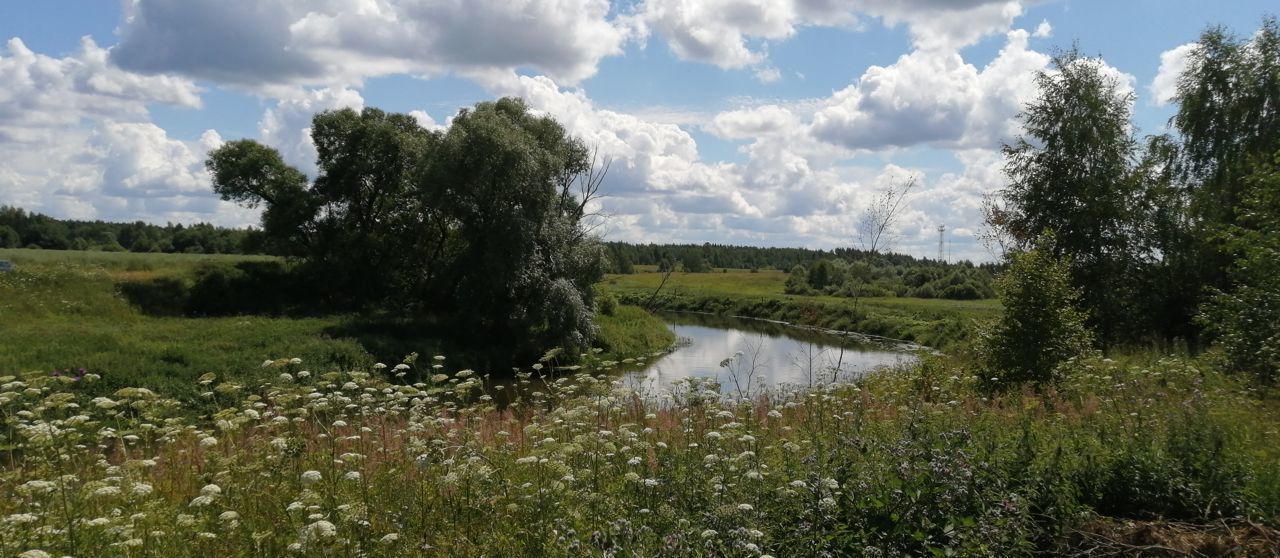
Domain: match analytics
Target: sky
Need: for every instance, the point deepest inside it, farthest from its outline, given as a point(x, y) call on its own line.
point(758, 122)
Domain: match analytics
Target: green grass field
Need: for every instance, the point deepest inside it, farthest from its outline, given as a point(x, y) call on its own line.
point(935, 322)
point(64, 310)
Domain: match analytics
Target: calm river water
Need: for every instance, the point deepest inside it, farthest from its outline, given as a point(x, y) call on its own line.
point(762, 354)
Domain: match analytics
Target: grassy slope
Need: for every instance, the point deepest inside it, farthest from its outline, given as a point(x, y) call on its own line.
point(935, 322)
point(62, 310)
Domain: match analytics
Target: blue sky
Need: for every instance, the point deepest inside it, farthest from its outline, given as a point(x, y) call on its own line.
point(767, 122)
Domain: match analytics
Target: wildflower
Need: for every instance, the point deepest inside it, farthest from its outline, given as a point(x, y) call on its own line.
point(142, 489)
point(389, 538)
point(352, 475)
point(34, 486)
point(311, 477)
point(211, 490)
point(775, 414)
point(200, 501)
point(295, 360)
point(320, 529)
point(21, 518)
point(709, 533)
point(400, 367)
point(267, 363)
point(304, 374)
point(745, 507)
point(650, 483)
point(34, 553)
point(208, 441)
point(228, 516)
point(286, 377)
point(633, 461)
point(107, 491)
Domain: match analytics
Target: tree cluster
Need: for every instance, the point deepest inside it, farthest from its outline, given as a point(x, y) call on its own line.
point(862, 278)
point(723, 256)
point(22, 229)
point(484, 226)
point(1158, 231)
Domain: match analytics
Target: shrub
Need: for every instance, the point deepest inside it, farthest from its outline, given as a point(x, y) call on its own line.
point(1040, 327)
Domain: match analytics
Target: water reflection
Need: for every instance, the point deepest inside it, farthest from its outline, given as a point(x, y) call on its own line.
point(745, 356)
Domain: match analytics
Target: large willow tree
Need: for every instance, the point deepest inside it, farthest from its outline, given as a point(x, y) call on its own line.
point(483, 227)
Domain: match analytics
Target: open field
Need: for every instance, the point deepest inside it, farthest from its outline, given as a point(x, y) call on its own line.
point(64, 311)
point(934, 322)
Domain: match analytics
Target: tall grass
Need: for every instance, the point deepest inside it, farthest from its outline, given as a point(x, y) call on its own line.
point(347, 463)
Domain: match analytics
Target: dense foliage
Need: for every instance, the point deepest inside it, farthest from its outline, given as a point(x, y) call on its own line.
point(480, 226)
point(924, 279)
point(1040, 327)
point(21, 229)
point(1078, 148)
point(1151, 235)
point(1246, 318)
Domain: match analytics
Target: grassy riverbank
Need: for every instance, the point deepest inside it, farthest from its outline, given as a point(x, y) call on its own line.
point(66, 311)
point(936, 323)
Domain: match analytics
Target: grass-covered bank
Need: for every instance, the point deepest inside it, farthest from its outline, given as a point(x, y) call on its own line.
point(63, 311)
point(909, 462)
point(935, 323)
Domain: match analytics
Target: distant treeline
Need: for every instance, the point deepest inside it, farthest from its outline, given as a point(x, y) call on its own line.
point(23, 229)
point(839, 272)
point(697, 258)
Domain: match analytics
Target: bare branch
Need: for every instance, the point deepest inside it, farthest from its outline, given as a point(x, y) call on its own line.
point(875, 227)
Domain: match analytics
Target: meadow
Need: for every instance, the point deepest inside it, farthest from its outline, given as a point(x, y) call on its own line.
point(938, 323)
point(129, 434)
point(66, 312)
point(415, 460)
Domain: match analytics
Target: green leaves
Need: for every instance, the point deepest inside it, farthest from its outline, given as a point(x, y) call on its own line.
point(1040, 327)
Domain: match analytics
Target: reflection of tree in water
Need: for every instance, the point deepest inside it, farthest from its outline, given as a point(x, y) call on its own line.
point(769, 329)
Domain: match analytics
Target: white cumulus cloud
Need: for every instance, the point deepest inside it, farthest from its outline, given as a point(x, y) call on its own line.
point(1172, 62)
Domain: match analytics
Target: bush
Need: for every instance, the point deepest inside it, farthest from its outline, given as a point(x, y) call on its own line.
point(1040, 327)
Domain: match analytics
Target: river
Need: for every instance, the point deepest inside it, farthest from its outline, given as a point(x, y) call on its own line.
point(746, 356)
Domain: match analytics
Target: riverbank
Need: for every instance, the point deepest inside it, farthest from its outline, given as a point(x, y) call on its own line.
point(67, 311)
point(936, 323)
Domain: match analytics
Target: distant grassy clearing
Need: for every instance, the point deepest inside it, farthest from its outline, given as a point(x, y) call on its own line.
point(939, 323)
